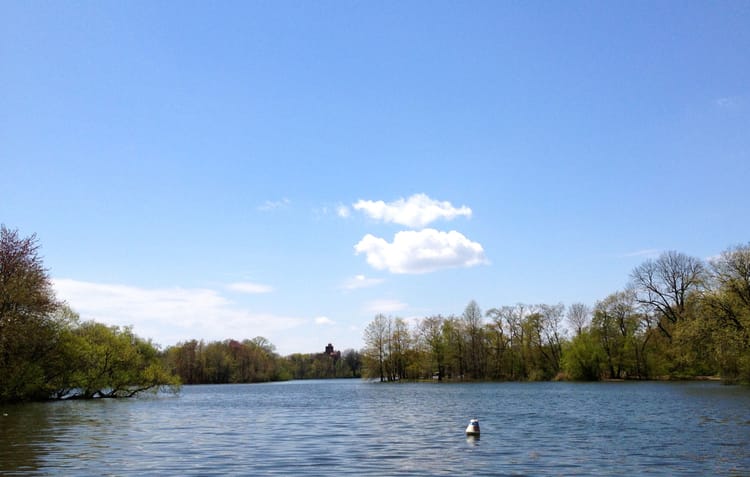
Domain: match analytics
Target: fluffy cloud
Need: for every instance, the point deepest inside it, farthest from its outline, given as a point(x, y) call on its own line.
point(421, 251)
point(251, 288)
point(417, 211)
point(169, 315)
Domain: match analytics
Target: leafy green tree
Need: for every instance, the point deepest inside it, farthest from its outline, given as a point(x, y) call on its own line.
point(432, 340)
point(510, 320)
point(63, 364)
point(353, 361)
point(28, 334)
point(498, 345)
point(583, 357)
point(218, 363)
point(614, 325)
point(727, 306)
point(322, 365)
point(535, 354)
point(455, 345)
point(184, 360)
point(232, 361)
point(690, 352)
point(475, 353)
point(113, 362)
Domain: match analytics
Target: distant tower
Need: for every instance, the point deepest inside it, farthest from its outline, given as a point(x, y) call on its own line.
point(329, 349)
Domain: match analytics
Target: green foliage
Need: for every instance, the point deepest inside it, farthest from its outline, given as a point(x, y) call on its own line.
point(28, 334)
point(727, 303)
point(252, 361)
point(323, 366)
point(520, 342)
point(617, 327)
point(45, 353)
point(583, 358)
point(228, 361)
point(113, 362)
point(686, 322)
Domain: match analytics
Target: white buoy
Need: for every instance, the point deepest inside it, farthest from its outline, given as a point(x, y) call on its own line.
point(473, 428)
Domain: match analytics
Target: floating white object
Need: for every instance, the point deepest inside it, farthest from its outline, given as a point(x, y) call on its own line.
point(473, 428)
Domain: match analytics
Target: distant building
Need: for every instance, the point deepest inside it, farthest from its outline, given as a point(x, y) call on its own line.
point(335, 355)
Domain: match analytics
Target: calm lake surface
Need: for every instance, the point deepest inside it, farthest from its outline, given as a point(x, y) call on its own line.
point(351, 427)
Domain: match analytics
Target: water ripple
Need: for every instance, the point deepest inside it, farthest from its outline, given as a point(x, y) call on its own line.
point(352, 427)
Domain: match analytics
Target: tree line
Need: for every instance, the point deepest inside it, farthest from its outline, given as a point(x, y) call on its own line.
point(252, 361)
point(678, 317)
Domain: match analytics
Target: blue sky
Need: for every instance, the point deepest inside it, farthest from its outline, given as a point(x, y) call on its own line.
point(290, 169)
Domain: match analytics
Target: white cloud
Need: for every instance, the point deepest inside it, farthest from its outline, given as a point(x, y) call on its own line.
point(323, 320)
point(421, 251)
point(274, 204)
point(416, 211)
point(384, 306)
point(251, 288)
point(170, 315)
point(361, 281)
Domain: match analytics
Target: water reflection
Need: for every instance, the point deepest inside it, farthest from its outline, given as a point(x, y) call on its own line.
point(26, 433)
point(473, 441)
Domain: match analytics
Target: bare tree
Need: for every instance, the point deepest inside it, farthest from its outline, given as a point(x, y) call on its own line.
point(663, 285)
point(400, 344)
point(376, 340)
point(579, 317)
point(552, 316)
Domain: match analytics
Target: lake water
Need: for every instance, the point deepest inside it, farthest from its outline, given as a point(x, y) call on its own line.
point(351, 427)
